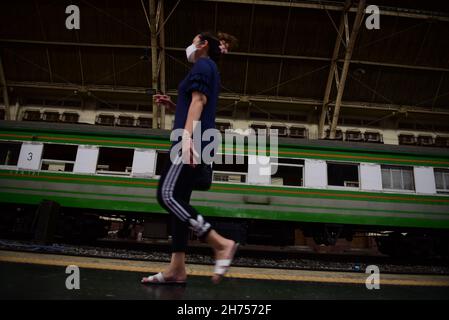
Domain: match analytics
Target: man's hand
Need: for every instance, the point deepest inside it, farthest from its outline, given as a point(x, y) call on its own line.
point(189, 155)
point(166, 101)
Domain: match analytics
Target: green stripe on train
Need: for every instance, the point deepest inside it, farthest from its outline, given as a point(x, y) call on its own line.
point(229, 188)
point(85, 140)
point(324, 153)
point(222, 211)
point(218, 202)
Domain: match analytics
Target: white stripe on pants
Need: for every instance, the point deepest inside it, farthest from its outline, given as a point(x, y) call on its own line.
point(168, 188)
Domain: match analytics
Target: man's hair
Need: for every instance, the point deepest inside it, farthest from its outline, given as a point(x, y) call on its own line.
point(217, 42)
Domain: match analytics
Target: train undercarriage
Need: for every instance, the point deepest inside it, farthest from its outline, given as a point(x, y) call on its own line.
point(49, 222)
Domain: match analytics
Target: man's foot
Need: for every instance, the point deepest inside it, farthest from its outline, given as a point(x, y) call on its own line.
point(169, 276)
point(225, 252)
point(175, 275)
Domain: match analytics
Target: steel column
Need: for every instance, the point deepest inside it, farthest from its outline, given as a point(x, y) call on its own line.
point(332, 70)
point(4, 91)
point(344, 72)
point(162, 78)
point(154, 58)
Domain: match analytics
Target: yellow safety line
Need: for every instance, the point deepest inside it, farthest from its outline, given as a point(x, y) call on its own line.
point(242, 273)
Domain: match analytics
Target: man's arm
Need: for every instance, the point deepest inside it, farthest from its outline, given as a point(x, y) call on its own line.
point(199, 100)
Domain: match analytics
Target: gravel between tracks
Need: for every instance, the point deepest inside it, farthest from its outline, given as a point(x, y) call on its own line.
point(307, 261)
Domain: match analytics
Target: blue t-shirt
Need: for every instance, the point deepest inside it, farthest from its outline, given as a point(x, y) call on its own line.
point(205, 78)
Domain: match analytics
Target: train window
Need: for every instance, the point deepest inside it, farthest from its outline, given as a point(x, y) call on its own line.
point(32, 115)
point(115, 161)
point(51, 116)
point(144, 122)
point(397, 177)
point(233, 168)
point(9, 153)
point(70, 117)
point(162, 158)
point(343, 174)
point(290, 172)
point(58, 157)
point(442, 180)
point(125, 121)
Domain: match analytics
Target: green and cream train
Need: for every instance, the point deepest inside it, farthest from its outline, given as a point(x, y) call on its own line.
point(327, 189)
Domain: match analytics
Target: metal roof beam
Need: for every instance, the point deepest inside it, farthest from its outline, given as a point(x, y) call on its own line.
point(316, 102)
point(87, 88)
point(229, 96)
point(243, 54)
point(334, 6)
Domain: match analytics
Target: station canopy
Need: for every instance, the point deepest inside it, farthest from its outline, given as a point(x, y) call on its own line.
point(281, 66)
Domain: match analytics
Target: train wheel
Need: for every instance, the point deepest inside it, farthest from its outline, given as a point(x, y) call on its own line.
point(407, 245)
point(327, 235)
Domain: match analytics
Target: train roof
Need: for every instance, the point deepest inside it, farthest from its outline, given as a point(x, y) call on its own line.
point(89, 129)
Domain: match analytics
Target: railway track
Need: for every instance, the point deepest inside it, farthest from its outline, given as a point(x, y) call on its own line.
point(289, 258)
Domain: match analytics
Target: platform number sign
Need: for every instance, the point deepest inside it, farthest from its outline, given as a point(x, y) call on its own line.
point(373, 280)
point(30, 156)
point(73, 280)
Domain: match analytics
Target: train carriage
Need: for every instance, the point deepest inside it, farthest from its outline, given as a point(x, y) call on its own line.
point(327, 189)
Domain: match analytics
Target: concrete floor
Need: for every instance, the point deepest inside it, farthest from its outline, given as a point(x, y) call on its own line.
point(34, 281)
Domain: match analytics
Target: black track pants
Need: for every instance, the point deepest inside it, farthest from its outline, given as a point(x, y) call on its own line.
point(173, 194)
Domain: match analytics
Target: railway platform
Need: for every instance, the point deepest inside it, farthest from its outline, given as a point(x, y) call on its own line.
point(47, 276)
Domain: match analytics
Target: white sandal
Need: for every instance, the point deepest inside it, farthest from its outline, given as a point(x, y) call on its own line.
point(222, 265)
point(159, 279)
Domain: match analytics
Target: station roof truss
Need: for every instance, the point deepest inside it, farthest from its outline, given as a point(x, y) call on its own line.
point(311, 57)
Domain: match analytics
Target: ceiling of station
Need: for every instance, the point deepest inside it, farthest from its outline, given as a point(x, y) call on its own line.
point(282, 62)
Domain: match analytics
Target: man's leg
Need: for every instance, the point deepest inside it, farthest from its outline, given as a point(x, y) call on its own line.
point(179, 182)
point(179, 232)
point(174, 194)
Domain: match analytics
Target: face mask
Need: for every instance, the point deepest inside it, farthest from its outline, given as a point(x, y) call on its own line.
point(190, 53)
